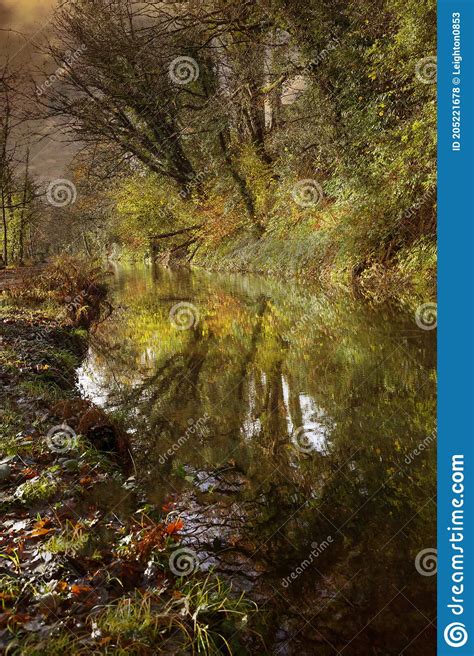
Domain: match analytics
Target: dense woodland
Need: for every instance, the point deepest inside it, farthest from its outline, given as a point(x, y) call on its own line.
point(290, 137)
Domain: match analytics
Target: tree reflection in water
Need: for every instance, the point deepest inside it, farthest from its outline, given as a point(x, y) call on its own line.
point(316, 407)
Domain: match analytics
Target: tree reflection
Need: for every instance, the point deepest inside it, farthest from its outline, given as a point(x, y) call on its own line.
point(264, 361)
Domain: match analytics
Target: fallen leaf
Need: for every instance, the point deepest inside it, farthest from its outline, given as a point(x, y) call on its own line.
point(42, 522)
point(6, 619)
point(29, 473)
point(175, 527)
point(80, 589)
point(40, 531)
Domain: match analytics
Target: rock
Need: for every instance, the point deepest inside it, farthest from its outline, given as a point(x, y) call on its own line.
point(5, 472)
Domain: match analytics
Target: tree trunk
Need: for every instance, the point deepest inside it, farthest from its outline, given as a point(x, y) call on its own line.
point(21, 240)
point(241, 184)
point(5, 230)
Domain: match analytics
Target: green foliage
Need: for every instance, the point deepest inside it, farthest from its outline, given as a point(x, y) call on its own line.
point(147, 206)
point(72, 540)
point(360, 121)
point(40, 488)
point(200, 619)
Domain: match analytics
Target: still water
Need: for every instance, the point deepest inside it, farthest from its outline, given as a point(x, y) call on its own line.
point(295, 431)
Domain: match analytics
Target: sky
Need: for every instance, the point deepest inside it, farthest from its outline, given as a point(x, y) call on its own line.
point(31, 18)
point(19, 14)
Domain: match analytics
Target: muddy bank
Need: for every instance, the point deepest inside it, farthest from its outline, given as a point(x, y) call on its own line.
point(87, 564)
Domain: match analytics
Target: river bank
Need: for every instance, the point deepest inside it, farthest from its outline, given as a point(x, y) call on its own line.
point(313, 258)
point(410, 274)
point(88, 566)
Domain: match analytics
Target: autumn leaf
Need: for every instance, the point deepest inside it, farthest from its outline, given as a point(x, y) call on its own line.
point(80, 589)
point(37, 532)
point(41, 523)
point(8, 618)
point(29, 473)
point(175, 527)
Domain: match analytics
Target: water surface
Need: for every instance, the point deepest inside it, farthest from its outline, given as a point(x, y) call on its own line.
point(295, 431)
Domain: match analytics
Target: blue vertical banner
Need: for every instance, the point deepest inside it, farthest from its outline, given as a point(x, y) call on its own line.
point(456, 327)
